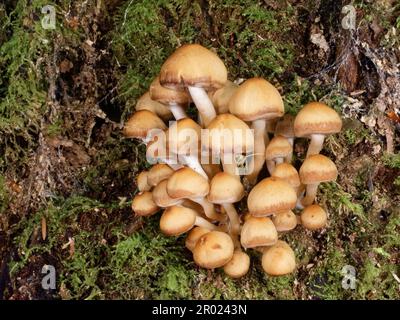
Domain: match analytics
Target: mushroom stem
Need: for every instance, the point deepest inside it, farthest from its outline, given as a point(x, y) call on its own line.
point(201, 222)
point(289, 157)
point(233, 219)
point(259, 127)
point(316, 143)
point(311, 192)
point(203, 104)
point(209, 209)
point(178, 111)
point(229, 165)
point(193, 162)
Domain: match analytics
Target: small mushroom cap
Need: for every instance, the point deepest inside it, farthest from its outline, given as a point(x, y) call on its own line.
point(313, 217)
point(213, 250)
point(158, 173)
point(317, 168)
point(228, 134)
point(285, 221)
point(194, 235)
point(141, 123)
point(142, 182)
point(271, 195)
point(143, 204)
point(177, 220)
point(225, 188)
point(279, 259)
point(238, 266)
point(193, 65)
point(146, 103)
point(278, 147)
point(285, 126)
point(167, 96)
point(183, 136)
point(220, 98)
point(256, 98)
point(187, 183)
point(258, 232)
point(288, 173)
point(316, 118)
point(161, 197)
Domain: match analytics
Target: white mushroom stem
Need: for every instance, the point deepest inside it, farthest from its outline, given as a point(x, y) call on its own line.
point(229, 165)
point(289, 157)
point(201, 222)
point(316, 144)
point(271, 164)
point(234, 220)
point(203, 104)
point(178, 111)
point(257, 162)
point(193, 162)
point(311, 193)
point(208, 208)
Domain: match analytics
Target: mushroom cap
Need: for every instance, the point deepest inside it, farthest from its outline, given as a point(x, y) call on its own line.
point(183, 136)
point(313, 217)
point(161, 196)
point(258, 232)
point(316, 118)
point(142, 182)
point(285, 221)
point(220, 98)
point(146, 103)
point(159, 172)
point(255, 99)
point(317, 168)
point(271, 195)
point(141, 122)
point(288, 173)
point(176, 220)
point(285, 126)
point(194, 235)
point(193, 65)
point(187, 183)
point(213, 250)
point(279, 259)
point(228, 134)
point(278, 147)
point(143, 204)
point(238, 266)
point(167, 96)
point(225, 188)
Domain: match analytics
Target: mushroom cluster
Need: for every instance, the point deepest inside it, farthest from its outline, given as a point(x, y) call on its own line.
point(204, 168)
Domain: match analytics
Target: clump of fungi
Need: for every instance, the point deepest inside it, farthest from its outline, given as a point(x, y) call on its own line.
point(201, 198)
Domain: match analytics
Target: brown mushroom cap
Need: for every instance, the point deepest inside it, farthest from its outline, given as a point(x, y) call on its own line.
point(176, 220)
point(313, 217)
point(143, 204)
point(161, 197)
point(183, 133)
point(278, 147)
point(279, 259)
point(220, 98)
point(167, 96)
point(285, 126)
point(213, 250)
point(271, 195)
point(193, 65)
point(238, 266)
point(288, 173)
point(317, 168)
point(316, 118)
point(187, 183)
point(194, 235)
point(159, 172)
point(146, 103)
point(285, 221)
point(142, 181)
point(225, 188)
point(141, 123)
point(258, 232)
point(256, 98)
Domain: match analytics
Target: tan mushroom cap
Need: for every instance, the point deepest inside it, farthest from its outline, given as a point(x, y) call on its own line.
point(285, 221)
point(161, 197)
point(279, 259)
point(146, 103)
point(158, 173)
point(317, 168)
point(182, 134)
point(194, 235)
point(258, 232)
point(187, 183)
point(271, 195)
point(316, 118)
point(278, 147)
point(256, 98)
point(285, 126)
point(313, 217)
point(143, 204)
point(288, 173)
point(193, 65)
point(213, 250)
point(167, 96)
point(238, 266)
point(176, 220)
point(227, 133)
point(225, 188)
point(142, 181)
point(141, 122)
point(220, 98)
